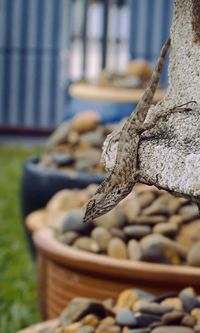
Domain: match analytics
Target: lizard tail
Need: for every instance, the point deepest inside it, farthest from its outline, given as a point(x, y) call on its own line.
point(146, 100)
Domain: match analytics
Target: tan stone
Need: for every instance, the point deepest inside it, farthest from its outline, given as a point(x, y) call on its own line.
point(159, 206)
point(91, 320)
point(131, 207)
point(172, 256)
point(73, 137)
point(65, 200)
point(109, 329)
point(36, 220)
point(175, 302)
point(117, 249)
point(151, 220)
point(72, 328)
point(102, 236)
point(172, 329)
point(145, 199)
point(188, 234)
point(167, 229)
point(196, 315)
point(197, 328)
point(114, 218)
point(55, 219)
point(139, 68)
point(174, 204)
point(176, 219)
point(193, 257)
point(108, 321)
point(86, 244)
point(188, 320)
point(126, 299)
point(85, 121)
point(107, 325)
point(134, 250)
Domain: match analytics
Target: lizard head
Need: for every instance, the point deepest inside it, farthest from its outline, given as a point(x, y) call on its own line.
point(105, 198)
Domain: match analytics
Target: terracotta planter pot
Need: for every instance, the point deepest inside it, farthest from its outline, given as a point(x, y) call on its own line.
point(36, 220)
point(64, 273)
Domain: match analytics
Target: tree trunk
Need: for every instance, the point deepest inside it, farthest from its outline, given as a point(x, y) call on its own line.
point(169, 154)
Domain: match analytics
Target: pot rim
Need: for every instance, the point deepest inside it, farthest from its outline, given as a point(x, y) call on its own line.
point(32, 164)
point(111, 267)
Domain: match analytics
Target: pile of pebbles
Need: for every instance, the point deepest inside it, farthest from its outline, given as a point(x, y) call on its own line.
point(134, 311)
point(76, 145)
point(149, 225)
point(136, 75)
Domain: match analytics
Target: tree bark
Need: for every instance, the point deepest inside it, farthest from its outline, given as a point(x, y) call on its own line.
point(169, 154)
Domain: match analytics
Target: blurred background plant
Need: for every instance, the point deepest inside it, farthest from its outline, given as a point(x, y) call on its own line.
point(18, 299)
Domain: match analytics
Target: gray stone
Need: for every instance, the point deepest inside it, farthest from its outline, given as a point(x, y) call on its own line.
point(83, 166)
point(189, 212)
point(119, 233)
point(80, 307)
point(189, 302)
point(141, 294)
point(126, 317)
point(187, 291)
point(62, 159)
point(155, 309)
point(155, 255)
point(137, 231)
point(68, 237)
point(188, 320)
point(172, 318)
point(74, 221)
point(94, 138)
point(144, 319)
point(157, 248)
point(162, 297)
point(59, 135)
point(90, 155)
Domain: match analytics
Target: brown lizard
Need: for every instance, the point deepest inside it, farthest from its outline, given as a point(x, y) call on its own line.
point(125, 173)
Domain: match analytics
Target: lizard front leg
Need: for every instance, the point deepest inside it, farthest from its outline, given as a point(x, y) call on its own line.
point(149, 125)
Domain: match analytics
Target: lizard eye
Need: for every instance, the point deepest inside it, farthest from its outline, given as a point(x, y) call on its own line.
point(119, 191)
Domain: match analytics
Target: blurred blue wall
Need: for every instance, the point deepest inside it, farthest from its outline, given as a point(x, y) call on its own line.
point(33, 73)
point(34, 49)
point(149, 28)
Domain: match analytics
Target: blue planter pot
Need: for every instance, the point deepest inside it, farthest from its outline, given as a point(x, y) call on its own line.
point(39, 184)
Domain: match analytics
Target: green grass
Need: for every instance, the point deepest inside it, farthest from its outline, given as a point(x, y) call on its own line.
point(18, 292)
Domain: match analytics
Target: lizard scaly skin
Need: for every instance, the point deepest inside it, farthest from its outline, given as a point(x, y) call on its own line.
point(124, 175)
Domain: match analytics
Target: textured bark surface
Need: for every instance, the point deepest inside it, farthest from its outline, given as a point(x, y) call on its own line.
point(169, 154)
